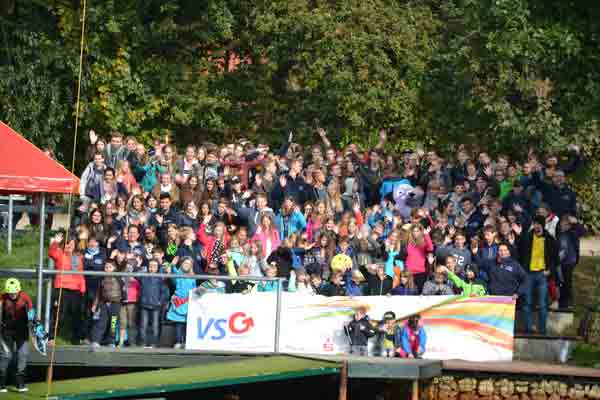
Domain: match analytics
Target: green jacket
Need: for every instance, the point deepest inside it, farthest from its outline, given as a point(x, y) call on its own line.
point(468, 289)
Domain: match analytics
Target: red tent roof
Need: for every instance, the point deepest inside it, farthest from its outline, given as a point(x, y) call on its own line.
point(25, 169)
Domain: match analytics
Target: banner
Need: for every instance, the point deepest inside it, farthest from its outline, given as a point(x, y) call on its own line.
point(474, 329)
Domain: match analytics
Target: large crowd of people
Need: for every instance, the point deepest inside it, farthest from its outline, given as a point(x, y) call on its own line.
point(414, 223)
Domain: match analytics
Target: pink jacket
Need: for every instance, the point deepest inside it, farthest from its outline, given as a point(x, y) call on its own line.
point(415, 261)
point(261, 237)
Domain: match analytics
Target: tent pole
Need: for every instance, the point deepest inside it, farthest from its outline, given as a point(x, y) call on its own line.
point(40, 277)
point(10, 223)
point(343, 392)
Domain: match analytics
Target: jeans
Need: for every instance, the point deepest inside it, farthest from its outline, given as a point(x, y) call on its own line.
point(536, 281)
point(106, 317)
point(180, 328)
point(18, 348)
point(566, 291)
point(359, 350)
point(149, 319)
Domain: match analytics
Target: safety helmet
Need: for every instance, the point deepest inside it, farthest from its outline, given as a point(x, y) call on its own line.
point(12, 286)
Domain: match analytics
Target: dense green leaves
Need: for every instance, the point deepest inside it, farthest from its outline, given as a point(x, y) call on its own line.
point(503, 74)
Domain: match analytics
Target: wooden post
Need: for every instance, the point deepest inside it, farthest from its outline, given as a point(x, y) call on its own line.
point(344, 381)
point(415, 389)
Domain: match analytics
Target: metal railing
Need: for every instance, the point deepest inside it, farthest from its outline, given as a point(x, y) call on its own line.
point(25, 273)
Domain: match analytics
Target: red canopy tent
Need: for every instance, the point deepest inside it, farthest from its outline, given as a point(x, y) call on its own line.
point(24, 168)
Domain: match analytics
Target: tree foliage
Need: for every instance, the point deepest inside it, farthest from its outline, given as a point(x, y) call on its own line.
point(503, 74)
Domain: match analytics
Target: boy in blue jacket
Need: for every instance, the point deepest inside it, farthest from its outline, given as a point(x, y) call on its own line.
point(153, 295)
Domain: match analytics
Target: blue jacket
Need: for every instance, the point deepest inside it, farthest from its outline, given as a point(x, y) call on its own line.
point(153, 292)
point(352, 288)
point(401, 339)
point(195, 253)
point(183, 286)
point(93, 262)
point(294, 223)
point(505, 277)
point(150, 173)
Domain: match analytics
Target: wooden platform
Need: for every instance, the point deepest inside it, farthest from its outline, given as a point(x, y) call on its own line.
point(358, 367)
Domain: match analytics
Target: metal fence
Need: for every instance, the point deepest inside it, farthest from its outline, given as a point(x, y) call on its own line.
point(25, 273)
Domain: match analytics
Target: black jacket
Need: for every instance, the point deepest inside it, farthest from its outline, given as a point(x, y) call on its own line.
point(360, 331)
point(561, 200)
point(296, 188)
point(331, 290)
point(525, 244)
point(376, 286)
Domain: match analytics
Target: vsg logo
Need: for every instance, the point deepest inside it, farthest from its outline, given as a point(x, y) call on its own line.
point(217, 329)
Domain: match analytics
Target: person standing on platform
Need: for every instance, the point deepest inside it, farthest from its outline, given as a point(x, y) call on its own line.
point(14, 333)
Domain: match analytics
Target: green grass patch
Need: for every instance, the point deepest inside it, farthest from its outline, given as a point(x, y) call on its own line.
point(586, 355)
point(25, 251)
point(185, 378)
point(586, 290)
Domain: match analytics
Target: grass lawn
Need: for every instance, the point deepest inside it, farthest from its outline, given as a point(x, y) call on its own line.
point(586, 287)
point(25, 254)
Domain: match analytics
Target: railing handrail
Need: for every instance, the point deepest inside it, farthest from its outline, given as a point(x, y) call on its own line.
point(19, 271)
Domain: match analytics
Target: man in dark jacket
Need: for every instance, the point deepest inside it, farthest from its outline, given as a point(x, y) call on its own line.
point(568, 237)
point(359, 330)
point(539, 257)
point(505, 276)
point(561, 199)
point(473, 218)
point(165, 216)
point(292, 185)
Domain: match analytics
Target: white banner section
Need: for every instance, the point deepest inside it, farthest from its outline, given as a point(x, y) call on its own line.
point(477, 329)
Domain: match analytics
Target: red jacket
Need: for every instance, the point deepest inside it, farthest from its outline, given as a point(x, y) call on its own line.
point(14, 315)
point(62, 261)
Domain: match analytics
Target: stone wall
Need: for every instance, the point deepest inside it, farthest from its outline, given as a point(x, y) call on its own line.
point(460, 388)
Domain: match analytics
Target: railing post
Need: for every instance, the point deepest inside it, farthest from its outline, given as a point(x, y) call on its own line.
point(278, 314)
point(10, 223)
point(40, 274)
point(48, 305)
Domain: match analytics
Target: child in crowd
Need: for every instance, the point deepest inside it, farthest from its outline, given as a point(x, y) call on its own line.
point(178, 307)
point(410, 341)
point(268, 286)
point(213, 285)
point(438, 286)
point(471, 286)
point(358, 331)
point(318, 284)
point(406, 286)
point(106, 308)
point(128, 312)
point(388, 330)
point(153, 294)
point(300, 282)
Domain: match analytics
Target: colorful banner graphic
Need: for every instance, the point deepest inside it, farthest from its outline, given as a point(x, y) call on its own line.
point(474, 329)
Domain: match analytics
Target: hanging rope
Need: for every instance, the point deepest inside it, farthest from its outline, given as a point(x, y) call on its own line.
point(70, 207)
